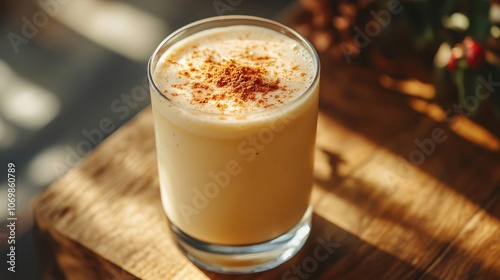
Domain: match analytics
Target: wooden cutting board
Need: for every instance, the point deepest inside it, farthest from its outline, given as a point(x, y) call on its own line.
point(399, 193)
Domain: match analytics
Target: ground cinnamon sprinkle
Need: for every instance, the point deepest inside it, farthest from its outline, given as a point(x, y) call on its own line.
point(233, 80)
point(242, 81)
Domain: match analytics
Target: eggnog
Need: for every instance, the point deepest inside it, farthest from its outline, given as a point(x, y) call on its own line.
point(235, 111)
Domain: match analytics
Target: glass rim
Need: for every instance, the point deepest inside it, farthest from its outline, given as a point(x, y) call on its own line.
point(247, 20)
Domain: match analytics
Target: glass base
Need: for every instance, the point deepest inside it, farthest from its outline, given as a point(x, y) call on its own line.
point(249, 258)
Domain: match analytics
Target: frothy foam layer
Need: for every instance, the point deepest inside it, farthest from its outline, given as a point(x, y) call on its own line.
point(233, 70)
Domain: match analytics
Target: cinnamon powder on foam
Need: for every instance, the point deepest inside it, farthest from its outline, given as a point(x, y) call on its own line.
point(235, 70)
point(232, 80)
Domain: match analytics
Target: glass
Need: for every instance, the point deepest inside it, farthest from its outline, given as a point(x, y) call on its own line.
point(236, 187)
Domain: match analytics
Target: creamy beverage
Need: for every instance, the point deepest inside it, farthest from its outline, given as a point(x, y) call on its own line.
point(235, 110)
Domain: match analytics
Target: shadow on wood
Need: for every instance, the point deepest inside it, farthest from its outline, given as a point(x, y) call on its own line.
point(333, 253)
point(353, 97)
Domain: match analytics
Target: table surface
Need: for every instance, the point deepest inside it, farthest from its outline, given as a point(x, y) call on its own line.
point(399, 192)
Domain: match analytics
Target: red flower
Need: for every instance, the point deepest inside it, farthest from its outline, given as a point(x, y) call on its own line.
point(474, 53)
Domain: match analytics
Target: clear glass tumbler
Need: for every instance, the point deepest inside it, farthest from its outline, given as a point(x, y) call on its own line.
point(236, 186)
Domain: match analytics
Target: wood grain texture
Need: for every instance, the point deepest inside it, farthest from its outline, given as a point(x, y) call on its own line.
point(475, 253)
point(383, 217)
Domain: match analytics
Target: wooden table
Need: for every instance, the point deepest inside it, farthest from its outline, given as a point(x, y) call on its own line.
point(387, 208)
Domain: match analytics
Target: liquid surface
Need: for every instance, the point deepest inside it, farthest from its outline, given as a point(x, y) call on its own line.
point(234, 70)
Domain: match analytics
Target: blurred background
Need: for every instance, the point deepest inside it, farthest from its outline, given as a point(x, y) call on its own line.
point(64, 67)
point(72, 72)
